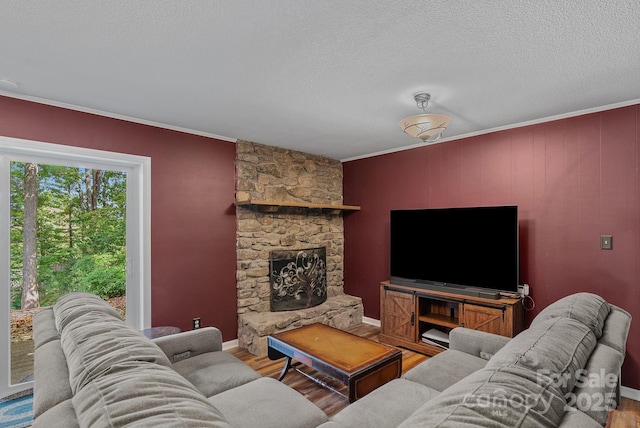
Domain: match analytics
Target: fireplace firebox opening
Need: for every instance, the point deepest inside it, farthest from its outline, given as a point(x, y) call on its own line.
point(298, 278)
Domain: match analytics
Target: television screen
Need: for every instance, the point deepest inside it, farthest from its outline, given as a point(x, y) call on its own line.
point(475, 247)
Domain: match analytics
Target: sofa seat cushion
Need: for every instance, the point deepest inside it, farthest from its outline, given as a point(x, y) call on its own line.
point(267, 403)
point(144, 394)
point(214, 372)
point(70, 306)
point(587, 308)
point(444, 369)
point(387, 406)
point(93, 343)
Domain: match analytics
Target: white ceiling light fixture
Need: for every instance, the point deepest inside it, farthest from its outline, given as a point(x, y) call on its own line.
point(428, 127)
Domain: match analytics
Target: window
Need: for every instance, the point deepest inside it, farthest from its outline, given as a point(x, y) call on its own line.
point(138, 236)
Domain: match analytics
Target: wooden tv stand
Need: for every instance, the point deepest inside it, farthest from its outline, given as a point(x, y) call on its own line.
point(406, 312)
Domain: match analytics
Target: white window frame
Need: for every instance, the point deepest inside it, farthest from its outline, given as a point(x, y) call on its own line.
point(138, 235)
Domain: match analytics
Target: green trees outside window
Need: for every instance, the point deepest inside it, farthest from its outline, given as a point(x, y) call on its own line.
point(67, 233)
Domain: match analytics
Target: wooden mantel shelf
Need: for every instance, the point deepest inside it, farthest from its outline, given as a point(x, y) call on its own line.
point(274, 206)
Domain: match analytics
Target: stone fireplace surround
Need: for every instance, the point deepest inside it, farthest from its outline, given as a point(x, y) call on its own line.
point(272, 173)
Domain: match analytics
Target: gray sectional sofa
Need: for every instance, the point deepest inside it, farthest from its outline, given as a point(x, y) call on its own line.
point(564, 370)
point(92, 370)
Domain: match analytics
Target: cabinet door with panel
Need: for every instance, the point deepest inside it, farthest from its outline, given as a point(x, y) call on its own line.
point(484, 318)
point(398, 314)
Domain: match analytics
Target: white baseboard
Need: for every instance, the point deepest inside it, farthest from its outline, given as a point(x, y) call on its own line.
point(371, 321)
point(230, 344)
point(631, 393)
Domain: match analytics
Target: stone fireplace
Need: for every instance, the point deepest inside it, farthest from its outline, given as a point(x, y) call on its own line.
point(272, 173)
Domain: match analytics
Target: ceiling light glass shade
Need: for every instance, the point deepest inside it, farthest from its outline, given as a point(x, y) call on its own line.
point(427, 127)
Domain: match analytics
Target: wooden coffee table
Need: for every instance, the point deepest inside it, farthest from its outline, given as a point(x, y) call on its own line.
point(360, 364)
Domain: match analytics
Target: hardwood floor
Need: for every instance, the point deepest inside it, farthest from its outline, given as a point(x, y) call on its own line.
point(330, 402)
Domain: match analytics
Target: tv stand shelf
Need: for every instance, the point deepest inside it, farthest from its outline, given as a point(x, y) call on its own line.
point(442, 320)
point(406, 312)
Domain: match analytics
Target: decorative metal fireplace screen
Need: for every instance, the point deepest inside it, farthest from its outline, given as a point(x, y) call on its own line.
point(298, 278)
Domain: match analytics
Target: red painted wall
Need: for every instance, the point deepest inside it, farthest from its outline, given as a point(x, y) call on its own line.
point(193, 261)
point(572, 179)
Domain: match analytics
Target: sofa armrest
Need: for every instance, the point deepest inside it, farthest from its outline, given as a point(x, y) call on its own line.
point(188, 344)
point(477, 343)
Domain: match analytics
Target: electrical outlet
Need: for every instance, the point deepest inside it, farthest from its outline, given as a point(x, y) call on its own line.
point(606, 242)
point(196, 323)
point(523, 289)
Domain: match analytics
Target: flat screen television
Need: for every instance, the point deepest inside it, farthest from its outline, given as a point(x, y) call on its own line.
point(472, 247)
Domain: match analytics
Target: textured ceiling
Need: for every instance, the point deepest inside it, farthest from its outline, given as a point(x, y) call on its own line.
point(327, 77)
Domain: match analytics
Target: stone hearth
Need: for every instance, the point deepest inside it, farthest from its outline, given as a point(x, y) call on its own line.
point(271, 173)
point(341, 312)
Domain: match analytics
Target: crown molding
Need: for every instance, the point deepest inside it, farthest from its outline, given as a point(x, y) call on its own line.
point(114, 115)
point(500, 128)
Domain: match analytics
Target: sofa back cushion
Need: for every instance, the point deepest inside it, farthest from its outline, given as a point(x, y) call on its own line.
point(72, 305)
point(587, 308)
point(554, 349)
point(144, 394)
point(117, 376)
point(51, 377)
point(44, 327)
point(95, 342)
point(616, 329)
point(493, 398)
